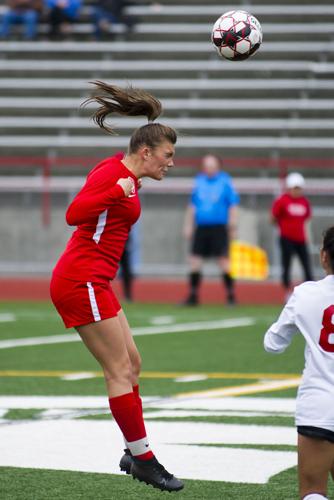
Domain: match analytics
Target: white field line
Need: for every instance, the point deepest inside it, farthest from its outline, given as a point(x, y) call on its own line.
point(220, 404)
point(6, 317)
point(95, 446)
point(146, 330)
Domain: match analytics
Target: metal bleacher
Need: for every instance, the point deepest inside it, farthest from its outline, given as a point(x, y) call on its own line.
point(280, 102)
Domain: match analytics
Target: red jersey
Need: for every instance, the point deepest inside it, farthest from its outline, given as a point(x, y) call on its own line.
point(291, 214)
point(104, 217)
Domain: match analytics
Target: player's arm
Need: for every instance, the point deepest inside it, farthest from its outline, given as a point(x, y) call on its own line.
point(92, 200)
point(275, 212)
point(278, 337)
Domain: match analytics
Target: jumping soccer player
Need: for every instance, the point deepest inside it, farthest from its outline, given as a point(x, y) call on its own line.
point(310, 310)
point(104, 211)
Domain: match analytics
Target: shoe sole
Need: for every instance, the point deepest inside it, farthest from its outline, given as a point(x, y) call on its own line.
point(156, 485)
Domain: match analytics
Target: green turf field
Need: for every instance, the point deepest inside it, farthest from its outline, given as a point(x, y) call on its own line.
point(198, 357)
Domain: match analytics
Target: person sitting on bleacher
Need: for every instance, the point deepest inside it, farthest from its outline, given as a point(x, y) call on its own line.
point(25, 12)
point(61, 14)
point(107, 13)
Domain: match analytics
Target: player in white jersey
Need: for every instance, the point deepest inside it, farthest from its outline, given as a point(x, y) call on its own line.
point(310, 312)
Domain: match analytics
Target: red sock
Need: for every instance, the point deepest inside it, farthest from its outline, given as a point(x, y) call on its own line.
point(128, 415)
point(137, 397)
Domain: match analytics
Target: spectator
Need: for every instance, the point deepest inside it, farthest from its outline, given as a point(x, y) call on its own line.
point(25, 12)
point(61, 14)
point(210, 223)
point(107, 13)
point(309, 312)
point(290, 212)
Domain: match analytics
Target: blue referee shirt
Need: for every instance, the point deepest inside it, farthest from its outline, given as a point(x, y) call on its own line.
point(212, 198)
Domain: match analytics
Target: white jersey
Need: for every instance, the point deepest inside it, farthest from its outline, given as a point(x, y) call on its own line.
point(310, 311)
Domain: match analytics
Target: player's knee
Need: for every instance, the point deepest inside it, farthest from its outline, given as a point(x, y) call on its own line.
point(120, 371)
point(314, 496)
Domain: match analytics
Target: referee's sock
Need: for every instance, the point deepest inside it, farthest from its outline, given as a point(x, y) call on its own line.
point(195, 280)
point(128, 415)
point(229, 285)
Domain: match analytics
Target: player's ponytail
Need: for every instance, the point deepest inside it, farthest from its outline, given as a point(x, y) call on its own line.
point(131, 102)
point(127, 102)
point(328, 245)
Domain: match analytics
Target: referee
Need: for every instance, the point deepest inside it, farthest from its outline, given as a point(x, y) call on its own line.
point(210, 223)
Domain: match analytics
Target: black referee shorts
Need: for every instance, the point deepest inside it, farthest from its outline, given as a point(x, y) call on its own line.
point(316, 432)
point(211, 241)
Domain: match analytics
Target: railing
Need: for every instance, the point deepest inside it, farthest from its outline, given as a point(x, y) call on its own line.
point(260, 168)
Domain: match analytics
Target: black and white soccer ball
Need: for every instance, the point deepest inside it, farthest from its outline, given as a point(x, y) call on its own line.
point(236, 35)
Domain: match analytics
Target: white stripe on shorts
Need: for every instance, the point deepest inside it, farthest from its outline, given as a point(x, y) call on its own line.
point(93, 303)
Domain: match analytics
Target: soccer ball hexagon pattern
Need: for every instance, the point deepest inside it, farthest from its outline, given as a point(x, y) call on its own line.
point(236, 35)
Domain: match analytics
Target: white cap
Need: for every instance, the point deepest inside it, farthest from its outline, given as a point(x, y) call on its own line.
point(295, 180)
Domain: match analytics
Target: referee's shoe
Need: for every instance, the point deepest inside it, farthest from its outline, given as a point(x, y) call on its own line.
point(152, 472)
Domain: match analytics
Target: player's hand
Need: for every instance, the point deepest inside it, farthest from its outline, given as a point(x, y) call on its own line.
point(127, 185)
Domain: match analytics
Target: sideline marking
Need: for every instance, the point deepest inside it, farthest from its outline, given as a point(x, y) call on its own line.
point(145, 330)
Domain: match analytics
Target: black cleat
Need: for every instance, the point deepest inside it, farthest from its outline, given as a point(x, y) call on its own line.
point(152, 472)
point(126, 461)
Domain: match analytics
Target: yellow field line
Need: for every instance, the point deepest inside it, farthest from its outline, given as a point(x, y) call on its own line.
point(240, 390)
point(151, 374)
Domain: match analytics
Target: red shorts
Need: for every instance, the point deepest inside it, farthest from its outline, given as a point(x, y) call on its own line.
point(80, 303)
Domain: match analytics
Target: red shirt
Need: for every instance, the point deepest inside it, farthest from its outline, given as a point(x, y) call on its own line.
point(291, 214)
point(104, 217)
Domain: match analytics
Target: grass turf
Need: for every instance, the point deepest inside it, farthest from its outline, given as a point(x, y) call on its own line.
point(235, 350)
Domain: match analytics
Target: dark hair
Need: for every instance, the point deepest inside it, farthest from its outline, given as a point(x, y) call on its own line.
point(328, 244)
point(131, 102)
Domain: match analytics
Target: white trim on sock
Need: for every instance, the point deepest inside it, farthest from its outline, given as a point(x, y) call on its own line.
point(315, 496)
point(139, 447)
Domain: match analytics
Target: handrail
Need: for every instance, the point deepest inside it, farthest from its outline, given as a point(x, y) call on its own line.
point(268, 164)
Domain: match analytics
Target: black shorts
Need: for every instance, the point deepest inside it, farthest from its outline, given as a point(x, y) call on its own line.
point(316, 432)
point(211, 241)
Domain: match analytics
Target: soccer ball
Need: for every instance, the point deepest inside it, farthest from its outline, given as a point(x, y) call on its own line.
point(236, 35)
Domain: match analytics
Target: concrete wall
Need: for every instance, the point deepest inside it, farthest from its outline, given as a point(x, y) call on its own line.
point(26, 245)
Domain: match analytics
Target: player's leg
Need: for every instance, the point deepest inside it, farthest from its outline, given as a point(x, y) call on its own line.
point(315, 461)
point(286, 255)
point(221, 248)
point(195, 278)
point(135, 359)
point(198, 253)
point(126, 274)
point(105, 340)
point(304, 257)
